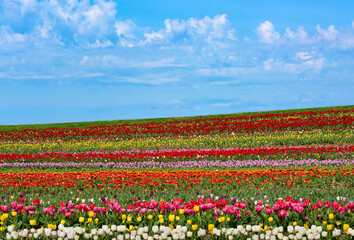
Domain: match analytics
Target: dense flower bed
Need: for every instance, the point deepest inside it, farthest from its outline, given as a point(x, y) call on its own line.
point(304, 121)
point(188, 179)
point(267, 176)
point(203, 217)
point(297, 152)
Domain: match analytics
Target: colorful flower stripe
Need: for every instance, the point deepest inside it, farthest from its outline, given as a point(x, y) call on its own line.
point(195, 216)
point(183, 179)
point(304, 121)
point(325, 152)
point(185, 164)
point(121, 232)
point(210, 141)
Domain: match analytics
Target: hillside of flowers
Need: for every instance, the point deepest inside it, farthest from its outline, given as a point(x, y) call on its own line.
point(257, 176)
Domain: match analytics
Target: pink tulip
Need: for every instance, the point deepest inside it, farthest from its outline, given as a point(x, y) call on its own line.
point(268, 211)
point(143, 211)
point(283, 213)
point(258, 208)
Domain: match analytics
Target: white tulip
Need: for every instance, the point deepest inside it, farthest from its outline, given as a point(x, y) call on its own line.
point(155, 229)
point(298, 236)
point(10, 228)
point(114, 228)
point(163, 235)
point(14, 235)
point(255, 237)
point(248, 228)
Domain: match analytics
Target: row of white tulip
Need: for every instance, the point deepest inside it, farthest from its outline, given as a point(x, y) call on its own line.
point(120, 232)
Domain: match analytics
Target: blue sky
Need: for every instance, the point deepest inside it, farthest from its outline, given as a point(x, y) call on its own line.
point(66, 61)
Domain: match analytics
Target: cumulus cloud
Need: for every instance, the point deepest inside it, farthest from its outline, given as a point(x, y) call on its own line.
point(83, 19)
point(329, 34)
point(266, 33)
point(7, 35)
point(193, 30)
point(300, 36)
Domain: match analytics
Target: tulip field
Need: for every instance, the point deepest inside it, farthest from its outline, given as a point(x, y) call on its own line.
point(276, 175)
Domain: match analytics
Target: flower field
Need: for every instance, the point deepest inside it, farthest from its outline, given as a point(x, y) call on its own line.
point(261, 176)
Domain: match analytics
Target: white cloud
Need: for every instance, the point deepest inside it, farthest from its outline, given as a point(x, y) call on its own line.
point(125, 28)
point(303, 55)
point(314, 65)
point(27, 5)
point(268, 64)
point(100, 44)
point(8, 36)
point(210, 30)
point(300, 36)
point(329, 34)
point(81, 18)
point(266, 33)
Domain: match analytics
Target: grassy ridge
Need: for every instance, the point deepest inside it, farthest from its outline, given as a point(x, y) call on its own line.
point(130, 121)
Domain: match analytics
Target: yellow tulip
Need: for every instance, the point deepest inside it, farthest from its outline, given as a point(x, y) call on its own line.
point(330, 216)
point(221, 219)
point(181, 211)
point(196, 208)
point(89, 220)
point(13, 214)
point(150, 217)
point(91, 214)
point(345, 227)
point(96, 220)
point(171, 218)
point(62, 222)
point(189, 221)
point(124, 217)
point(129, 219)
point(161, 220)
point(270, 219)
point(32, 222)
point(139, 219)
point(210, 227)
point(81, 219)
point(177, 218)
point(329, 227)
point(195, 227)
